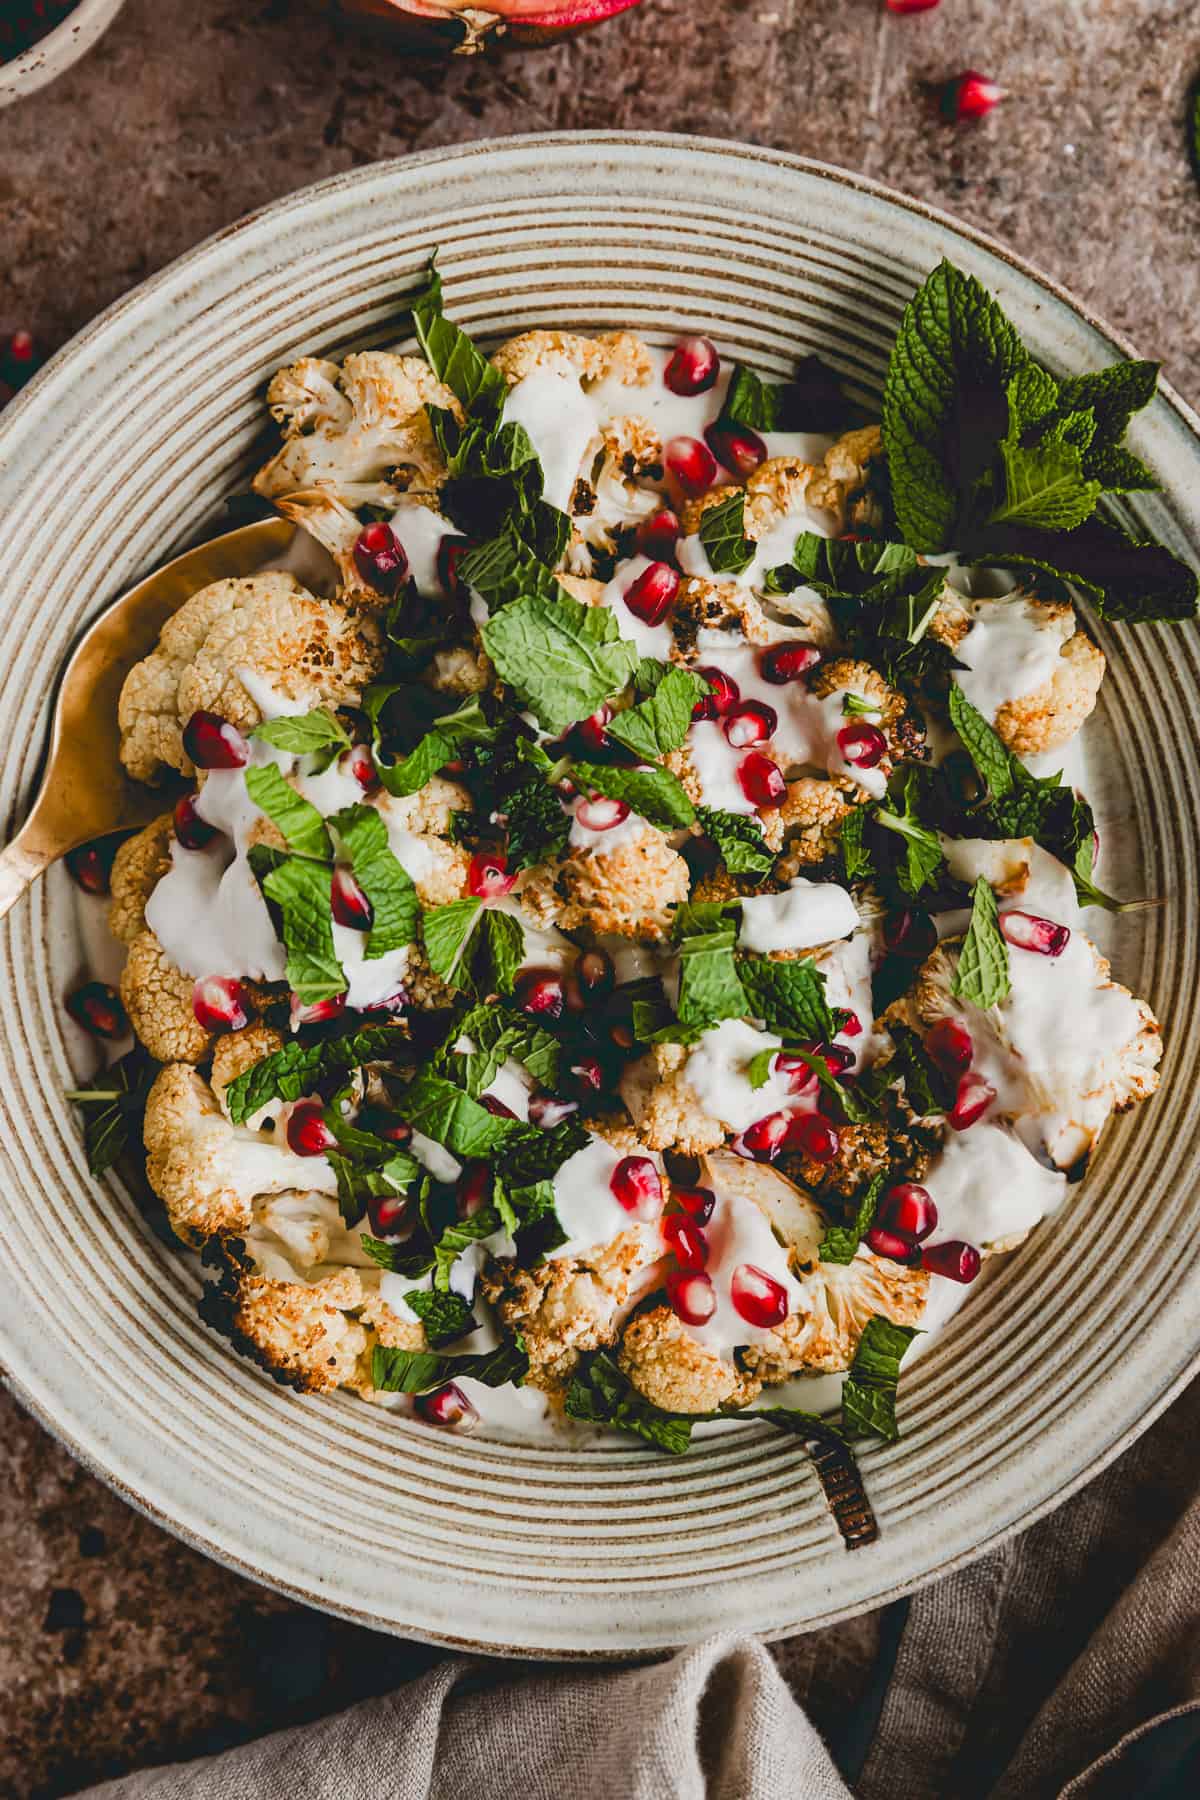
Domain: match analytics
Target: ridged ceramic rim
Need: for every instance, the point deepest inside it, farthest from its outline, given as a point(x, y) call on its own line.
point(124, 445)
point(53, 55)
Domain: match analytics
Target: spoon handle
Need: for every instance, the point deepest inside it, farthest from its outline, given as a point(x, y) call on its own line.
point(20, 866)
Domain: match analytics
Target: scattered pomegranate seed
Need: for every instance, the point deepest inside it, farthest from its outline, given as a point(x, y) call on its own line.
point(758, 1297)
point(766, 1137)
point(547, 1110)
point(751, 722)
point(392, 1004)
point(908, 1210)
point(348, 903)
point(540, 994)
point(698, 1203)
point(1028, 932)
point(586, 1077)
point(307, 1133)
point(949, 1045)
point(599, 813)
point(473, 1189)
point(974, 1097)
point(814, 1137)
point(191, 831)
point(694, 366)
point(448, 1407)
point(954, 1259)
point(911, 6)
point(891, 1244)
point(799, 1077)
point(851, 1026)
point(738, 448)
point(723, 698)
point(380, 559)
point(970, 96)
point(451, 551)
point(496, 1107)
point(658, 536)
point(837, 1058)
point(488, 877)
point(358, 762)
point(97, 1007)
point(761, 780)
point(213, 743)
point(907, 932)
point(386, 1124)
point(862, 745)
point(650, 596)
point(590, 735)
point(692, 464)
point(693, 1297)
point(21, 347)
point(637, 1186)
point(387, 1214)
point(220, 1004)
point(595, 973)
point(788, 662)
point(319, 1012)
point(90, 865)
point(684, 1238)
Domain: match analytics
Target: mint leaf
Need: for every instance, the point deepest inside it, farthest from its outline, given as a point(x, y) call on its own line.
point(304, 735)
point(709, 988)
point(458, 1236)
point(923, 859)
point(506, 569)
point(723, 535)
point(840, 1243)
point(739, 838)
point(655, 794)
point(856, 858)
point(382, 877)
point(468, 724)
point(398, 1259)
point(659, 724)
point(1125, 578)
point(504, 949)
point(869, 1395)
point(1112, 396)
point(758, 1069)
point(788, 996)
point(302, 891)
point(446, 931)
point(443, 1112)
point(297, 818)
point(114, 1103)
point(296, 1069)
point(444, 1316)
point(811, 401)
point(537, 827)
point(858, 1103)
point(982, 976)
point(1044, 487)
point(497, 1033)
point(449, 351)
point(858, 566)
point(1086, 891)
point(561, 658)
point(983, 745)
point(600, 1394)
point(418, 1371)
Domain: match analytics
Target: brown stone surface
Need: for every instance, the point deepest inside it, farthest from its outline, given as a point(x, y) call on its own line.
point(118, 1646)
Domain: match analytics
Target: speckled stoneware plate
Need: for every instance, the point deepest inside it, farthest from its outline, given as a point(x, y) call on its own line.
point(121, 450)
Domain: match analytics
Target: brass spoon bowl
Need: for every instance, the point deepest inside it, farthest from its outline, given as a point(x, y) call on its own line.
point(84, 791)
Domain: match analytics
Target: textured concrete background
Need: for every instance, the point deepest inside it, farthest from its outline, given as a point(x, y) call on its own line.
point(117, 1645)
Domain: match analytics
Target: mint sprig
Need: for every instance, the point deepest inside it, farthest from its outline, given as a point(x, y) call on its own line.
point(660, 723)
point(869, 1393)
point(561, 659)
point(982, 977)
point(296, 1069)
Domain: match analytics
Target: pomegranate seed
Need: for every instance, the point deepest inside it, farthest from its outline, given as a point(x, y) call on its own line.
point(851, 1026)
point(972, 1100)
point(496, 1107)
point(766, 1137)
point(684, 1238)
point(539, 994)
point(814, 1137)
point(348, 903)
point(908, 1210)
point(451, 551)
point(448, 1407)
point(650, 596)
point(694, 366)
point(751, 722)
point(473, 1189)
point(90, 865)
point(385, 1124)
point(380, 559)
point(488, 877)
point(949, 1045)
point(637, 1186)
point(319, 1012)
point(699, 1203)
point(358, 762)
point(97, 1007)
point(590, 735)
point(307, 1133)
point(970, 96)
point(586, 1077)
point(837, 1058)
point(954, 1259)
point(761, 780)
point(693, 1297)
point(799, 1077)
point(738, 448)
point(691, 463)
point(723, 698)
point(394, 1003)
point(757, 1297)
point(599, 813)
point(213, 743)
point(911, 6)
point(658, 535)
point(220, 1004)
point(787, 662)
point(547, 1110)
point(1028, 932)
point(387, 1214)
point(861, 745)
point(891, 1244)
point(191, 831)
point(907, 932)
point(595, 973)
point(20, 346)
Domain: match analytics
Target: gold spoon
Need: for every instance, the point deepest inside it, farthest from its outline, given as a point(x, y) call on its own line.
point(84, 792)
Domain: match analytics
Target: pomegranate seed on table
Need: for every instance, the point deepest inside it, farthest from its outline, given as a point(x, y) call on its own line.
point(751, 722)
point(692, 1295)
point(348, 903)
point(814, 1137)
point(1029, 932)
point(387, 1214)
point(949, 1045)
point(765, 1138)
point(599, 813)
point(799, 1077)
point(191, 831)
point(891, 1244)
point(736, 447)
point(691, 463)
point(908, 932)
point(908, 1210)
point(213, 743)
point(761, 780)
point(448, 1407)
point(488, 877)
point(306, 1132)
point(862, 745)
point(539, 993)
point(974, 1097)
point(693, 367)
point(658, 536)
point(651, 594)
point(319, 1012)
point(90, 865)
point(379, 558)
point(954, 1259)
point(359, 762)
point(782, 663)
point(637, 1186)
point(970, 96)
point(723, 698)
point(699, 1203)
point(686, 1241)
point(473, 1189)
point(220, 1003)
point(757, 1297)
point(547, 1110)
point(496, 1107)
point(97, 1007)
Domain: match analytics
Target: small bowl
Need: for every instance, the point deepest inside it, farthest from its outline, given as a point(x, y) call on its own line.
point(55, 53)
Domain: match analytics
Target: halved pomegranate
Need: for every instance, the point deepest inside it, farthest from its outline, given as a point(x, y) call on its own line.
point(693, 367)
point(722, 698)
point(448, 1407)
point(974, 1097)
point(213, 743)
point(348, 902)
point(442, 28)
point(691, 463)
point(736, 447)
point(761, 780)
point(692, 1295)
point(658, 536)
point(751, 722)
point(949, 1045)
point(637, 1186)
point(306, 1131)
point(954, 1259)
point(650, 595)
point(488, 877)
point(97, 1007)
point(862, 745)
point(757, 1297)
point(1029, 932)
point(380, 559)
point(599, 813)
point(191, 831)
point(699, 1203)
point(220, 1003)
point(539, 992)
point(908, 1210)
point(782, 663)
point(685, 1240)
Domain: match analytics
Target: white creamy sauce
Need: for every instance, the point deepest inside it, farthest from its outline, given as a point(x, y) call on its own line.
point(435, 1157)
point(331, 790)
point(1011, 649)
point(419, 531)
point(672, 415)
point(651, 640)
point(1026, 877)
point(738, 1233)
point(545, 946)
point(805, 914)
point(603, 843)
point(268, 699)
point(848, 971)
point(715, 763)
point(368, 981)
point(511, 1086)
point(716, 1071)
point(587, 1208)
point(561, 423)
point(988, 1187)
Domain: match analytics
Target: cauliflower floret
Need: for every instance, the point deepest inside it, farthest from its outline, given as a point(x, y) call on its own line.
point(306, 395)
point(265, 626)
point(158, 999)
point(665, 1107)
point(901, 726)
point(863, 1152)
point(845, 475)
point(138, 867)
point(438, 867)
point(235, 1052)
point(207, 1172)
point(303, 1334)
point(460, 670)
point(616, 353)
point(1049, 715)
point(809, 824)
point(627, 891)
point(675, 1371)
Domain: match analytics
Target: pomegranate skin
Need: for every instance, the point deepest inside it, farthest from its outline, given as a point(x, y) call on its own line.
point(439, 31)
point(954, 1259)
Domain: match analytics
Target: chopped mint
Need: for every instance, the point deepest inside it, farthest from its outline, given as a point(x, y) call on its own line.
point(293, 1071)
point(506, 569)
point(723, 535)
point(297, 818)
point(840, 1243)
point(869, 1394)
point(659, 724)
point(739, 838)
point(561, 658)
point(383, 878)
point(537, 826)
point(418, 1371)
point(923, 859)
point(114, 1103)
point(982, 977)
point(445, 1316)
point(306, 734)
point(496, 1033)
point(655, 794)
point(302, 892)
point(789, 996)
point(600, 1394)
point(468, 724)
point(447, 930)
point(439, 1110)
point(855, 707)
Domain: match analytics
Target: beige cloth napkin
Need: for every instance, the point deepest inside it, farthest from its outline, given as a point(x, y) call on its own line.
point(1065, 1663)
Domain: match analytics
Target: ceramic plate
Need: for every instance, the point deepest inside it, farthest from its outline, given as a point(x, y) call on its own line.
point(118, 454)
